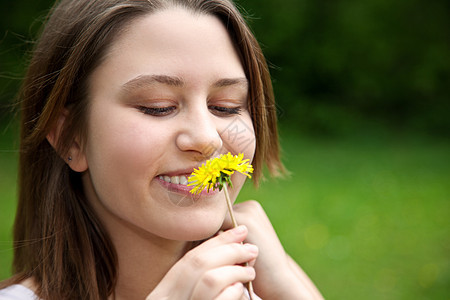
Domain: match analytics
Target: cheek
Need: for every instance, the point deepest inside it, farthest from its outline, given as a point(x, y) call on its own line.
point(123, 146)
point(238, 136)
point(114, 143)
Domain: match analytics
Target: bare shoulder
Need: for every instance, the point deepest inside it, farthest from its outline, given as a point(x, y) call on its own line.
point(29, 283)
point(24, 289)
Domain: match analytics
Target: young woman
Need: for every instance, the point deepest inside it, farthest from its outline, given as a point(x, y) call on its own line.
point(122, 100)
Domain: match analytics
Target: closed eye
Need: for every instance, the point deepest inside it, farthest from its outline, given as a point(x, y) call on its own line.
point(224, 111)
point(157, 111)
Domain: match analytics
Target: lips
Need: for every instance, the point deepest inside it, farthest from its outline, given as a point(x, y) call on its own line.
point(177, 182)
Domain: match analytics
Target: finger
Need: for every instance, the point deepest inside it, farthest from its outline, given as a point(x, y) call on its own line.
point(234, 291)
point(219, 251)
point(213, 282)
point(252, 262)
point(221, 255)
point(234, 235)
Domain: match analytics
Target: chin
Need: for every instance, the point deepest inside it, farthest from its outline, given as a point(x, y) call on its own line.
point(198, 231)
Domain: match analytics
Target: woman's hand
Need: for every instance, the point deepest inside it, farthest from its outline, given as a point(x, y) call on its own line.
point(277, 275)
point(213, 270)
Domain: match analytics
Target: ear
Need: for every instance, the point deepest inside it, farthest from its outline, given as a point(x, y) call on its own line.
point(76, 158)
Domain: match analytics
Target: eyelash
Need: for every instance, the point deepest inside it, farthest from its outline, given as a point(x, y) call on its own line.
point(157, 111)
point(164, 111)
point(223, 111)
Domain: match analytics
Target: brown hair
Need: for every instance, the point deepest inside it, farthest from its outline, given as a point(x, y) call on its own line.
point(59, 241)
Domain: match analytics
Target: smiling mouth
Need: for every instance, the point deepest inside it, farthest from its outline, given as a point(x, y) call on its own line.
point(182, 179)
point(179, 193)
point(179, 184)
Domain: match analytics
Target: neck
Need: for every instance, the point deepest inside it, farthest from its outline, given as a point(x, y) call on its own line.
point(143, 260)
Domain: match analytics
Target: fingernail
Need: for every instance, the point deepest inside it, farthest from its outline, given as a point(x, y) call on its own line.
point(250, 271)
point(251, 248)
point(239, 230)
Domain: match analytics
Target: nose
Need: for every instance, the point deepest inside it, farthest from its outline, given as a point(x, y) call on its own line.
point(199, 135)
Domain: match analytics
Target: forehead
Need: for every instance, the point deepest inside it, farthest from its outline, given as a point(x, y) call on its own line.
point(174, 40)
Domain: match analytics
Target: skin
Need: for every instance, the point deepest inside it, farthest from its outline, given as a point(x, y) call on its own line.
point(161, 103)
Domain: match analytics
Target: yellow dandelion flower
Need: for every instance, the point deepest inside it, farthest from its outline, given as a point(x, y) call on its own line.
point(216, 172)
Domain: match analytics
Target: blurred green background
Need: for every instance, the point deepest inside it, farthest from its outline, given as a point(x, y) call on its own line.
point(363, 92)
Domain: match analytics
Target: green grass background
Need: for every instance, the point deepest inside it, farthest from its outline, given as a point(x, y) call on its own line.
point(366, 217)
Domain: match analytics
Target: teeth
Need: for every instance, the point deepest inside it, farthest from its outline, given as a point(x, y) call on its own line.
point(175, 179)
point(183, 180)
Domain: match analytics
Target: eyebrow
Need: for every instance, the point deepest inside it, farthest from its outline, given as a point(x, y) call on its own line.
point(146, 80)
point(231, 81)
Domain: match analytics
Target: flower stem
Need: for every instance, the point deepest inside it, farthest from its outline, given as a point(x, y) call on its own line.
point(230, 206)
point(249, 284)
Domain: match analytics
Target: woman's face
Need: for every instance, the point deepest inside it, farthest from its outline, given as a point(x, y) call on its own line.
point(170, 94)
